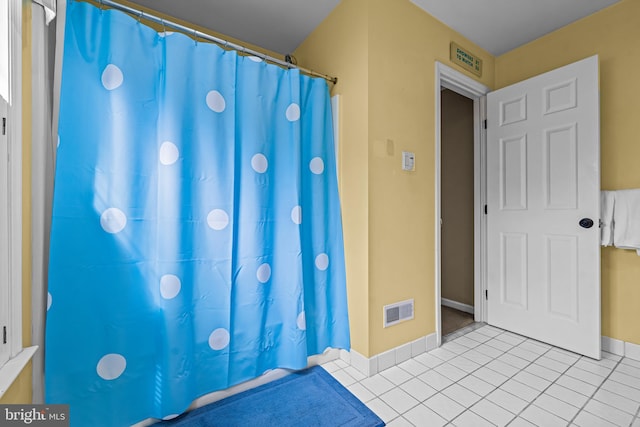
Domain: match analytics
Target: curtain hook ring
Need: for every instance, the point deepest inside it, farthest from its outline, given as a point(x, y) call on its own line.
point(140, 16)
point(195, 36)
point(164, 29)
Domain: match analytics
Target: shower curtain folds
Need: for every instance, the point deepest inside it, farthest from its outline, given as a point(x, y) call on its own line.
point(196, 235)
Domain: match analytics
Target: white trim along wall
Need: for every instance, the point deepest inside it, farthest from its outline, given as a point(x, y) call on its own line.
point(379, 362)
point(466, 86)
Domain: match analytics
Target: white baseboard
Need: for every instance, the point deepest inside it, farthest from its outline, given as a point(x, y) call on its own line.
point(457, 305)
point(632, 351)
point(370, 366)
point(379, 362)
point(621, 348)
point(613, 346)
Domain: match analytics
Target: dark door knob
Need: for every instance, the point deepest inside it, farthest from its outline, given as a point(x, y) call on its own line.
point(586, 223)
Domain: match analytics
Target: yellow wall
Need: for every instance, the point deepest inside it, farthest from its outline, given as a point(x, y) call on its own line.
point(388, 104)
point(613, 34)
point(20, 390)
point(383, 53)
point(339, 47)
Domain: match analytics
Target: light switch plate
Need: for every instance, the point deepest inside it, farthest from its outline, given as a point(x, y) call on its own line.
point(408, 161)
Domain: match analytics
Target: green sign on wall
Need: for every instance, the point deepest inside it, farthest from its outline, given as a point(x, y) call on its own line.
point(466, 59)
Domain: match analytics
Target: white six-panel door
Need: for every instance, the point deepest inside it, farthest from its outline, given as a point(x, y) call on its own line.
point(543, 178)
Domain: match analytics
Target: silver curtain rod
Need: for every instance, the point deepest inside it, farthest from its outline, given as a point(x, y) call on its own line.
point(200, 35)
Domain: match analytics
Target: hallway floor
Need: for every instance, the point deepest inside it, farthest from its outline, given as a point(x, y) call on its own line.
point(453, 320)
point(487, 376)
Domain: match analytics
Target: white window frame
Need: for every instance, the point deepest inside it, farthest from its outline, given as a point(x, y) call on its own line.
point(4, 51)
point(18, 357)
point(5, 350)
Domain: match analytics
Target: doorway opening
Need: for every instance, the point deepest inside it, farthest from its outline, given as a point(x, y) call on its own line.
point(540, 178)
point(460, 199)
point(456, 198)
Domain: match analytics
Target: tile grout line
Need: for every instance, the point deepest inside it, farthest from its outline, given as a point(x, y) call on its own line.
point(532, 362)
point(637, 416)
point(468, 408)
point(552, 383)
point(462, 332)
point(595, 392)
point(443, 362)
point(448, 361)
point(589, 397)
point(508, 377)
point(563, 373)
point(481, 324)
point(541, 392)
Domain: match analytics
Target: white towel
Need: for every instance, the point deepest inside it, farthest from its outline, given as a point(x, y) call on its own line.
point(607, 200)
point(626, 220)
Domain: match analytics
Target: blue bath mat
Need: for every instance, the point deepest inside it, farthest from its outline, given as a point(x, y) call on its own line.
point(307, 398)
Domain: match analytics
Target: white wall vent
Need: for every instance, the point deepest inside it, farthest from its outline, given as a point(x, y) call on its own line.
point(397, 312)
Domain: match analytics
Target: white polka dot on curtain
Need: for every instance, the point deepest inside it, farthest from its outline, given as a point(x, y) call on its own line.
point(296, 215)
point(170, 286)
point(169, 153)
point(316, 165)
point(322, 262)
point(263, 273)
point(113, 220)
point(218, 219)
point(301, 321)
point(215, 101)
point(259, 163)
point(293, 112)
point(111, 366)
point(219, 339)
point(112, 77)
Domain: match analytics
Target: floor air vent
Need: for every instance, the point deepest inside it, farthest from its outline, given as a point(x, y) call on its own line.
point(398, 312)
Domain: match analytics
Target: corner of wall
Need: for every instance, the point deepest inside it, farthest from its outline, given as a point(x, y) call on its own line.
point(339, 47)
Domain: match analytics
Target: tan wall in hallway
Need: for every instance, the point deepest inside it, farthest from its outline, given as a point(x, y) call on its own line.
point(457, 197)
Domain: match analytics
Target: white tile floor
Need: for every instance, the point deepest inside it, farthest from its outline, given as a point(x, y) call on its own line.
point(490, 377)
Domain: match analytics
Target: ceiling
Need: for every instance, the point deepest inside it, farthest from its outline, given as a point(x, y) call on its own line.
point(277, 25)
point(281, 25)
point(499, 26)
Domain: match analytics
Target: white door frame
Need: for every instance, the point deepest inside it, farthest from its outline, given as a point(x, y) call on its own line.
point(466, 86)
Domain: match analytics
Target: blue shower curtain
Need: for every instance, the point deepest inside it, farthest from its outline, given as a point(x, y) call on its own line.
point(196, 238)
